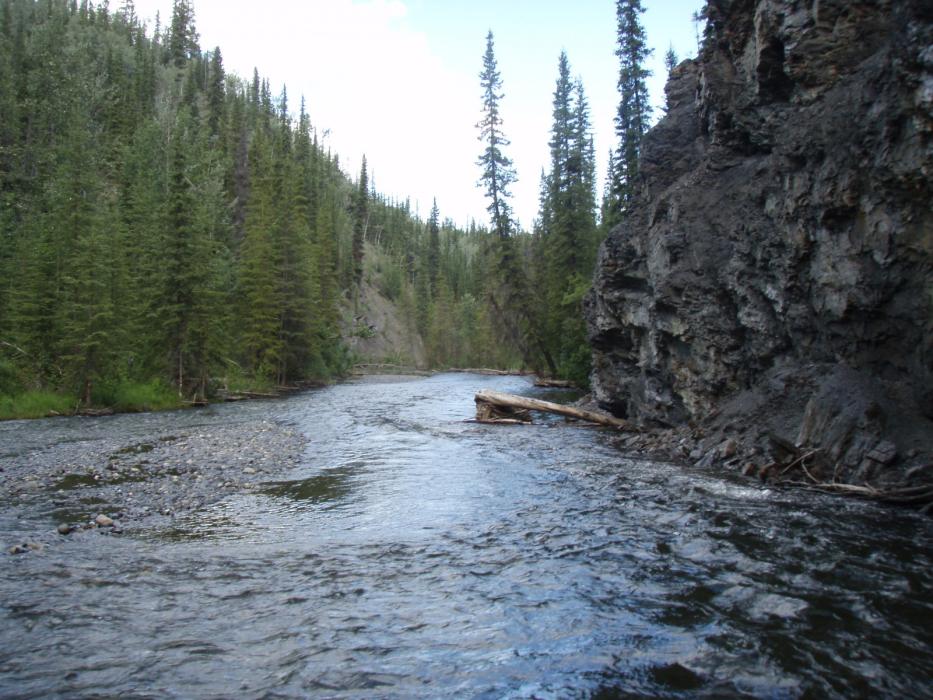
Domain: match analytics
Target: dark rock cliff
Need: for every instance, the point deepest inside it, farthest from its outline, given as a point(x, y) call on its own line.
point(775, 270)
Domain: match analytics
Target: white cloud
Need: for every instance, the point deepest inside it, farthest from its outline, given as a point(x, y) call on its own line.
point(369, 79)
point(374, 81)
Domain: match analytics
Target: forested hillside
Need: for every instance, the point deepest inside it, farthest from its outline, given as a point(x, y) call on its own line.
point(168, 229)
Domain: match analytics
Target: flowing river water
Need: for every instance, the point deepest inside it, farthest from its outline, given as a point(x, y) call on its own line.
point(411, 554)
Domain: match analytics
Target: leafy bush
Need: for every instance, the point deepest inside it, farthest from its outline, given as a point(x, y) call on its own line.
point(390, 283)
point(151, 396)
point(237, 380)
point(9, 379)
point(129, 396)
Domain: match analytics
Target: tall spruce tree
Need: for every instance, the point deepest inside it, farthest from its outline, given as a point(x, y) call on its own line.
point(215, 94)
point(434, 247)
point(498, 173)
point(634, 112)
point(259, 288)
point(567, 226)
point(508, 292)
point(183, 37)
point(360, 223)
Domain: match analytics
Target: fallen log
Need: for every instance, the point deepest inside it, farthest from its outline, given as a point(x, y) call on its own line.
point(383, 365)
point(490, 372)
point(94, 412)
point(494, 406)
point(243, 395)
point(555, 383)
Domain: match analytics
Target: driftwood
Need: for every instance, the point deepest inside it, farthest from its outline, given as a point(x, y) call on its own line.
point(496, 407)
point(94, 412)
point(490, 372)
point(244, 395)
point(555, 383)
point(794, 459)
point(384, 365)
point(365, 368)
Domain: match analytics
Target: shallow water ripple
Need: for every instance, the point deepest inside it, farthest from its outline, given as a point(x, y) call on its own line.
point(412, 554)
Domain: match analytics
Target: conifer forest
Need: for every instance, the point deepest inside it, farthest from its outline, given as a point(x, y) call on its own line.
point(169, 229)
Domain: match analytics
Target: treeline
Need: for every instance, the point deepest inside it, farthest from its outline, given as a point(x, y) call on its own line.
point(164, 224)
point(160, 219)
point(168, 229)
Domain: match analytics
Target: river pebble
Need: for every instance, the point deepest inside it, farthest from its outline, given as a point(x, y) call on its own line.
point(26, 547)
point(165, 476)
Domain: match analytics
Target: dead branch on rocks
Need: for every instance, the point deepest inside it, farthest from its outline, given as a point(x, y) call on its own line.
point(800, 461)
point(915, 495)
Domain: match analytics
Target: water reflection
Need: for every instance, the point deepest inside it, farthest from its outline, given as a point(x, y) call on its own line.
point(327, 488)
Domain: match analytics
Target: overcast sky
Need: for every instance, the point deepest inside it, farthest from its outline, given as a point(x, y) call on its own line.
point(398, 79)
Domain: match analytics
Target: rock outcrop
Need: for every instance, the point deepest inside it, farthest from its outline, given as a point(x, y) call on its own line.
point(775, 270)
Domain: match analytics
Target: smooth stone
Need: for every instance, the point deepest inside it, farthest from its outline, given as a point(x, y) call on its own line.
point(728, 448)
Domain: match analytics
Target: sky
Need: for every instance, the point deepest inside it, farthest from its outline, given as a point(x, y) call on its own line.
point(398, 80)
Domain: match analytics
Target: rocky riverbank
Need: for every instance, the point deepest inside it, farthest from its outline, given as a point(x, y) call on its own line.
point(767, 295)
point(112, 486)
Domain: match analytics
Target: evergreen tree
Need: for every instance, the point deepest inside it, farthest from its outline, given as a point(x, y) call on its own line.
point(259, 289)
point(634, 113)
point(142, 200)
point(360, 223)
point(561, 136)
point(183, 37)
point(128, 13)
point(215, 94)
point(670, 59)
point(434, 247)
point(567, 227)
point(498, 174)
point(86, 303)
point(185, 265)
point(508, 293)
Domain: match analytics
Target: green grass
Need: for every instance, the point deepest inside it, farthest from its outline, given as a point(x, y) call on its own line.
point(239, 381)
point(35, 404)
point(128, 396)
point(122, 396)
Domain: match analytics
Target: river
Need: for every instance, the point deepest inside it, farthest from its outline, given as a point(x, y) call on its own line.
point(410, 554)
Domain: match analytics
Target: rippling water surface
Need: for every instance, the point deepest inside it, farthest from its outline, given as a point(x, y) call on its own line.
point(412, 554)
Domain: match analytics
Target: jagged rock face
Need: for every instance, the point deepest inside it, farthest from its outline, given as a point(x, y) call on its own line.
point(786, 212)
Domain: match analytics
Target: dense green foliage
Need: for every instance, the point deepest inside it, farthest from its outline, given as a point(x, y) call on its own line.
point(157, 219)
point(566, 233)
point(634, 114)
point(167, 228)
